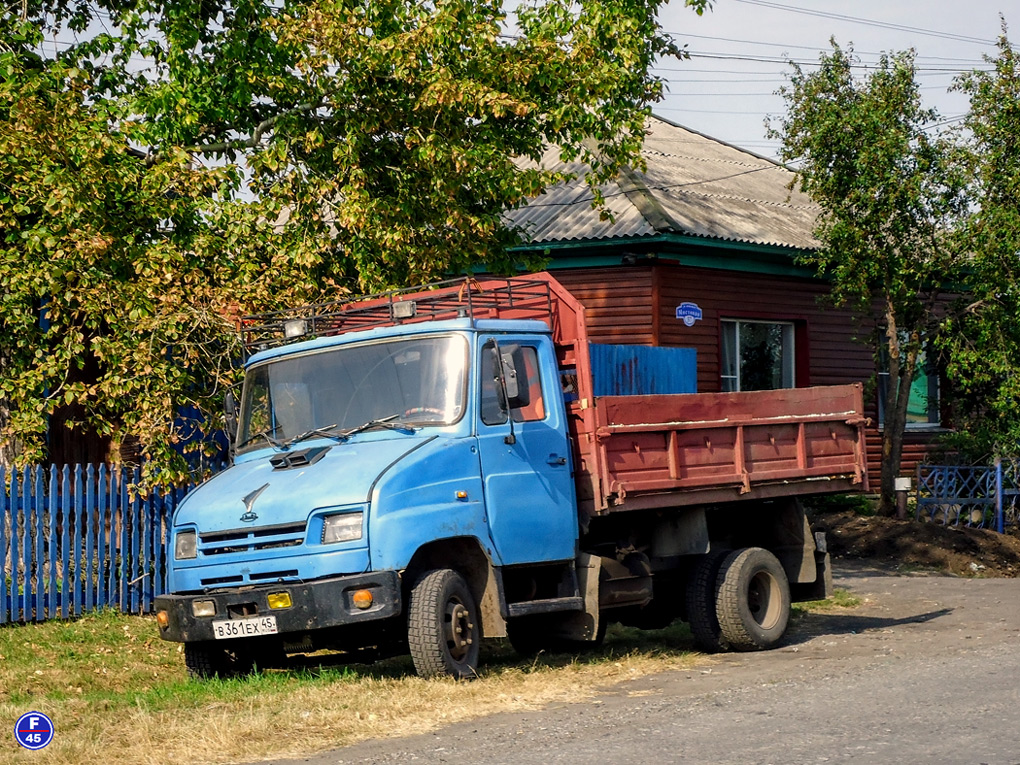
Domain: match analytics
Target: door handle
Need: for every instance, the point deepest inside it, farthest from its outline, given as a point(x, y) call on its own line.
point(555, 459)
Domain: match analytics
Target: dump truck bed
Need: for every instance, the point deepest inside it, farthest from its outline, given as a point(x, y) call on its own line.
point(636, 452)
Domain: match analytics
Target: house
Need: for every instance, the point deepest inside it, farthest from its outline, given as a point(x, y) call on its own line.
point(701, 252)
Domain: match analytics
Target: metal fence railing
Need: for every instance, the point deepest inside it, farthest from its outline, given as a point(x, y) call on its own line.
point(75, 539)
point(974, 496)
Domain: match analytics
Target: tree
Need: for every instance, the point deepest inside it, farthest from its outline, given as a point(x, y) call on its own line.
point(194, 161)
point(891, 196)
point(984, 344)
point(119, 281)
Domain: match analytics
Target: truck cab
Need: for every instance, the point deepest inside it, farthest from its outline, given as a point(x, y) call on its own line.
point(364, 458)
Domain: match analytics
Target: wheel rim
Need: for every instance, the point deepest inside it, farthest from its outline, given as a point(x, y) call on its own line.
point(764, 600)
point(459, 629)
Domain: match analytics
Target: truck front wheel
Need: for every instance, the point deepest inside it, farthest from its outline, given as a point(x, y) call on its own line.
point(752, 599)
point(209, 659)
point(442, 626)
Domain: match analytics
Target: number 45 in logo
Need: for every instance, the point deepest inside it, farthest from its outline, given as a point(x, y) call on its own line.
point(34, 730)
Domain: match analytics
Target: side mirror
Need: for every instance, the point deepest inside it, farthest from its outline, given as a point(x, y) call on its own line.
point(515, 376)
point(230, 415)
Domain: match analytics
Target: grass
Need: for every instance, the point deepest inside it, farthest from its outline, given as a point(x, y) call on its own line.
point(840, 599)
point(118, 694)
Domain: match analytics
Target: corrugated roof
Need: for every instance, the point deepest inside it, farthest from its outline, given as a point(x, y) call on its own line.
point(693, 185)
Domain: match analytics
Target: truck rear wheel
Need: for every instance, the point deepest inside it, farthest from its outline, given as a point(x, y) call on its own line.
point(752, 599)
point(701, 602)
point(442, 626)
point(210, 659)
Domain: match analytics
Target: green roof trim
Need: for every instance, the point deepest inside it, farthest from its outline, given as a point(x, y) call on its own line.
point(694, 251)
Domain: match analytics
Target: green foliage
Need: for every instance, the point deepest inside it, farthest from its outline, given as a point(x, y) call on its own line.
point(892, 197)
point(196, 161)
point(984, 344)
point(859, 504)
point(121, 282)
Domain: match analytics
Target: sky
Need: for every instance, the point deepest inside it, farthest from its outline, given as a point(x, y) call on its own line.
point(740, 49)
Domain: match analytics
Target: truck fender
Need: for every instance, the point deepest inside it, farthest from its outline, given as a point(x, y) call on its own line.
point(466, 556)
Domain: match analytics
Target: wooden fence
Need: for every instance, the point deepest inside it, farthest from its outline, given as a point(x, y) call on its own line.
point(75, 539)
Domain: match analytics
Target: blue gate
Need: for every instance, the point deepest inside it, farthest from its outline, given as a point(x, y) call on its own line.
point(974, 496)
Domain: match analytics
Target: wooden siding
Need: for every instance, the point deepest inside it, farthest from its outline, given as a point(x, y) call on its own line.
point(917, 446)
point(832, 355)
point(619, 303)
point(637, 304)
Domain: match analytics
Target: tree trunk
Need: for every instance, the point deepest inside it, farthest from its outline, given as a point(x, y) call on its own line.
point(902, 367)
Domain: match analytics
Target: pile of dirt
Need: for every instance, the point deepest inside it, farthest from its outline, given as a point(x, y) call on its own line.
point(917, 545)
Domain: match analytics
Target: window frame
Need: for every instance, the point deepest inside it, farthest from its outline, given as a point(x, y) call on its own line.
point(930, 372)
point(535, 381)
point(790, 361)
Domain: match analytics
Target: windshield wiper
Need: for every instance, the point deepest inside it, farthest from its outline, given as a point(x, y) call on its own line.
point(263, 434)
point(382, 422)
point(343, 435)
point(325, 432)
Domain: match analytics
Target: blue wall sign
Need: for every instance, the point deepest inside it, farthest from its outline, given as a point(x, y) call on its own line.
point(688, 313)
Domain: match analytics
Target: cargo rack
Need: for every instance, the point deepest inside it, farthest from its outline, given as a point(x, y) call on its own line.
point(509, 298)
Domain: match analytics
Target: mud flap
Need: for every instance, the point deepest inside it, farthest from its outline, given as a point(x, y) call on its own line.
point(582, 626)
point(822, 587)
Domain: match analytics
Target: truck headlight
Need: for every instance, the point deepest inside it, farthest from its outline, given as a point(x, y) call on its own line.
point(343, 527)
point(185, 545)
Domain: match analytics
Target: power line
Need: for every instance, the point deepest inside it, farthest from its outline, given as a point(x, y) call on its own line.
point(678, 36)
point(869, 22)
point(786, 60)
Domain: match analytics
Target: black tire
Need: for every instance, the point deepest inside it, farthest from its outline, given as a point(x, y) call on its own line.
point(210, 659)
point(752, 599)
point(701, 602)
point(443, 632)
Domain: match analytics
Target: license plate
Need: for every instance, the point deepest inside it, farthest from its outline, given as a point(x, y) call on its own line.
point(250, 626)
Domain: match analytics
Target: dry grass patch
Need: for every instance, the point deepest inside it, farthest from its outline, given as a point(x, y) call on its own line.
point(118, 694)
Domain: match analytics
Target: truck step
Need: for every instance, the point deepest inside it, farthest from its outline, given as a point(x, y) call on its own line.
point(545, 606)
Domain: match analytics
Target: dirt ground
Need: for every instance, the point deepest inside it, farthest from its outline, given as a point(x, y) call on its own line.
point(913, 545)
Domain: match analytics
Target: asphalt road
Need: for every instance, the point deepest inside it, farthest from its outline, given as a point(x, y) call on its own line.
point(926, 671)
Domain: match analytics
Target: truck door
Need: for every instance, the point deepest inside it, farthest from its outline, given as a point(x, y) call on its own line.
point(529, 491)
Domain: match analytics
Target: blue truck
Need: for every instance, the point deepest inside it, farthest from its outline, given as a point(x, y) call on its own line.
point(418, 471)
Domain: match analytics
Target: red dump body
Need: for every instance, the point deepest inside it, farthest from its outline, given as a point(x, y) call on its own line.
point(639, 452)
point(664, 451)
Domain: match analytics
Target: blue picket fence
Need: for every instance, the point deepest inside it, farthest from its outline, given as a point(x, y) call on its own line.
point(75, 539)
point(973, 496)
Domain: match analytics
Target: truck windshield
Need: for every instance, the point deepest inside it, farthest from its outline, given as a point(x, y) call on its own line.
point(418, 381)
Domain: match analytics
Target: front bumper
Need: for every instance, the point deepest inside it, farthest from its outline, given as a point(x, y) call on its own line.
point(314, 605)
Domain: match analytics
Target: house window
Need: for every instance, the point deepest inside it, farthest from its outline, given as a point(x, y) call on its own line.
point(923, 403)
point(757, 355)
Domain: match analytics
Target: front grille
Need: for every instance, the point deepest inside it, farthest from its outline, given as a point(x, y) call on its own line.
point(247, 540)
point(219, 580)
point(274, 575)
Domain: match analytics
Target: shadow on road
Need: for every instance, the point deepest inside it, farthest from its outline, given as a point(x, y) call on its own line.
point(814, 625)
